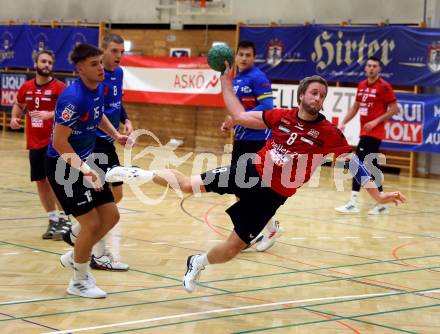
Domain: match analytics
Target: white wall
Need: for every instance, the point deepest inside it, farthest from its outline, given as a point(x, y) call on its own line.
point(248, 11)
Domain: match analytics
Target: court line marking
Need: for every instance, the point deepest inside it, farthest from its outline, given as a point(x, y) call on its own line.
point(231, 309)
point(354, 318)
point(307, 308)
point(222, 310)
point(21, 301)
point(420, 293)
point(223, 280)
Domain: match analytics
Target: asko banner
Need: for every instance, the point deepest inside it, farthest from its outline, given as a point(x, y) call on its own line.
point(415, 128)
point(178, 81)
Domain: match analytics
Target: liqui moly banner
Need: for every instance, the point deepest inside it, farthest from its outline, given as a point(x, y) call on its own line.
point(417, 125)
point(10, 84)
point(415, 128)
point(178, 81)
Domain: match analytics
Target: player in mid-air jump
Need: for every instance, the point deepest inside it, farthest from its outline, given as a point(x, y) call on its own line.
point(301, 137)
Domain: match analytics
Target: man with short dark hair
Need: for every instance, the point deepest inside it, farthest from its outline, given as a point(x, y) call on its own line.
point(253, 89)
point(376, 102)
point(38, 96)
point(301, 137)
point(78, 186)
point(113, 50)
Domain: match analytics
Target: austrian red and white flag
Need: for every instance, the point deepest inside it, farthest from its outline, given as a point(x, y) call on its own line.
point(163, 80)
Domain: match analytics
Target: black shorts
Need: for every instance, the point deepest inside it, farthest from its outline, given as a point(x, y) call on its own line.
point(109, 149)
point(77, 197)
point(37, 159)
point(258, 203)
point(245, 146)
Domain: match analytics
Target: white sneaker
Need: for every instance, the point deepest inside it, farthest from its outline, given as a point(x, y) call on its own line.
point(192, 275)
point(85, 288)
point(67, 260)
point(269, 237)
point(106, 262)
point(379, 209)
point(134, 175)
point(350, 207)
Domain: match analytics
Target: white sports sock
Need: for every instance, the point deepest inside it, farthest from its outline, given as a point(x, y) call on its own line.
point(98, 249)
point(52, 215)
point(202, 259)
point(354, 196)
point(81, 270)
point(62, 215)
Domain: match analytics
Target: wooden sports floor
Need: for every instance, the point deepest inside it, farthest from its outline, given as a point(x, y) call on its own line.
point(329, 273)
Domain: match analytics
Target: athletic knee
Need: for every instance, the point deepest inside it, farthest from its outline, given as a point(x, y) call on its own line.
point(116, 217)
point(92, 227)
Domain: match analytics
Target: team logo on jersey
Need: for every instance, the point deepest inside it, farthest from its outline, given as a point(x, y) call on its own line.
point(313, 133)
point(96, 110)
point(284, 129)
point(246, 89)
point(434, 57)
point(285, 121)
point(305, 140)
point(274, 52)
point(68, 112)
point(48, 92)
point(299, 126)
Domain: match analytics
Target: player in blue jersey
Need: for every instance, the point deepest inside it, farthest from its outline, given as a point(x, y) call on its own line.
point(253, 89)
point(77, 181)
point(113, 48)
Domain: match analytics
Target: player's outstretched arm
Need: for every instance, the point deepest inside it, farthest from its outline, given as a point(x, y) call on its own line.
point(250, 119)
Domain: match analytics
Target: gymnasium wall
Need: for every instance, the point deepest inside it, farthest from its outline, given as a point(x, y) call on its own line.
point(248, 11)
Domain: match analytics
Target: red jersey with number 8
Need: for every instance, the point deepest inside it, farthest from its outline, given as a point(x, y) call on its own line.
point(297, 148)
point(374, 100)
point(39, 98)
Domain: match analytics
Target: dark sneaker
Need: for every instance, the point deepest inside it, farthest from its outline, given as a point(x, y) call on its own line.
point(62, 228)
point(51, 228)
